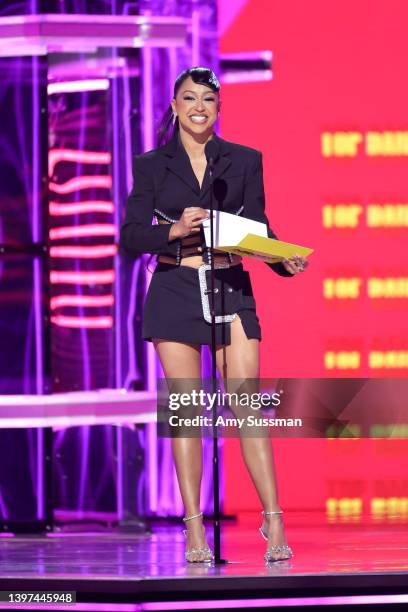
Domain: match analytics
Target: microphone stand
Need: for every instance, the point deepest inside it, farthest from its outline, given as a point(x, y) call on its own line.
point(217, 528)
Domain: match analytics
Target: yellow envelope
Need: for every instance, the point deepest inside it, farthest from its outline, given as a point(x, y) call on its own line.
point(266, 249)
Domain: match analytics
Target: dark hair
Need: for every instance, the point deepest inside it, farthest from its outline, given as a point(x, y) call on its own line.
point(200, 75)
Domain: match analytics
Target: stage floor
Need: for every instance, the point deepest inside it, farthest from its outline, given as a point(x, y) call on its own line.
point(364, 557)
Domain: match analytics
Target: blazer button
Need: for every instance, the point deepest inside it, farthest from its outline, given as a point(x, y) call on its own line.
point(230, 290)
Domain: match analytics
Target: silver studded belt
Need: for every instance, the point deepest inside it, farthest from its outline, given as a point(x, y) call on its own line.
point(205, 291)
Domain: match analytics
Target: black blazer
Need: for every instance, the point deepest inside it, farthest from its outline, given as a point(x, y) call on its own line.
point(164, 179)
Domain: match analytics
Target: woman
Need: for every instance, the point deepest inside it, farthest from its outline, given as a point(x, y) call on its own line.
point(172, 183)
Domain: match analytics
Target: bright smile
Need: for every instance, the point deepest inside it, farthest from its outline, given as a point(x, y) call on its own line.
point(198, 118)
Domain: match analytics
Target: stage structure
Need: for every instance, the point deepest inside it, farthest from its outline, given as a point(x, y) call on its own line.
point(81, 94)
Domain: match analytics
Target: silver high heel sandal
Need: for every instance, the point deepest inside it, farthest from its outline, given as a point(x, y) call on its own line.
point(204, 554)
point(274, 552)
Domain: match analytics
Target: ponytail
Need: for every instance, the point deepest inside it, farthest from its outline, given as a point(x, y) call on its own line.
point(166, 128)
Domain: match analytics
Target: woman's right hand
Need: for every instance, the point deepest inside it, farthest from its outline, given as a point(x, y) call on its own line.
point(189, 222)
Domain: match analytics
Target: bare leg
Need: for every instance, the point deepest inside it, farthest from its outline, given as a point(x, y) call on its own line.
point(182, 360)
point(240, 360)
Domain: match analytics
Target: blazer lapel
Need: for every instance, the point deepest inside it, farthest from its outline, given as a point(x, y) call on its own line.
point(178, 163)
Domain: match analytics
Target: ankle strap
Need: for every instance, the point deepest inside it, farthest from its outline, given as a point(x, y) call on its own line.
point(273, 512)
point(188, 518)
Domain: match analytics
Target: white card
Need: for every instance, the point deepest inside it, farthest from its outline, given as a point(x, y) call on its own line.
point(230, 229)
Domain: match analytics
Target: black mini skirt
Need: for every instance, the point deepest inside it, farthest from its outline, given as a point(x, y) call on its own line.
point(177, 304)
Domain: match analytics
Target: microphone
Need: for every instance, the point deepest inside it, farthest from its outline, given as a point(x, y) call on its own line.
point(211, 151)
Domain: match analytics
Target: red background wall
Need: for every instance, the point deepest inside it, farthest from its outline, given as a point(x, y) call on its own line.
point(337, 67)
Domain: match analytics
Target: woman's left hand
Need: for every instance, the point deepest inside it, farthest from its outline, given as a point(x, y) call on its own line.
point(295, 264)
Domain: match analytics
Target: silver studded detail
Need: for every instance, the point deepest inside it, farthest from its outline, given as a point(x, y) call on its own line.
point(164, 216)
point(204, 555)
point(205, 291)
point(275, 552)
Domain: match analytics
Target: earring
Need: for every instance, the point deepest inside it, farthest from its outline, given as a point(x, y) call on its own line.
point(174, 118)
